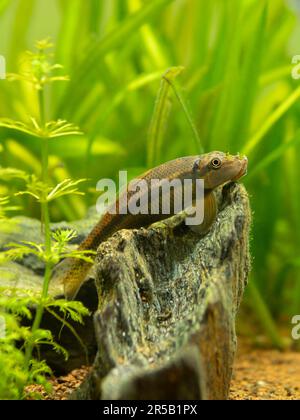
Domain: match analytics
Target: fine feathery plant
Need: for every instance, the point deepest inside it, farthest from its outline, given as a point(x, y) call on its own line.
point(21, 367)
point(14, 375)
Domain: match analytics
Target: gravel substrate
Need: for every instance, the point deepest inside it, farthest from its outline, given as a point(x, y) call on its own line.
point(258, 375)
point(63, 386)
point(266, 375)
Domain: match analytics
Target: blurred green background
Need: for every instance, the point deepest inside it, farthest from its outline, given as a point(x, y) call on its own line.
point(238, 82)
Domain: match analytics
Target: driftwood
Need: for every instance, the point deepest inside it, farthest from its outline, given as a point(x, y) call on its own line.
point(168, 299)
point(165, 324)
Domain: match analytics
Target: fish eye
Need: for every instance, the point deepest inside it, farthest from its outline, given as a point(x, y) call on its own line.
point(216, 163)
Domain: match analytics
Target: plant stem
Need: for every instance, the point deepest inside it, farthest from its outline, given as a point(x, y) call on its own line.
point(178, 93)
point(47, 233)
point(41, 107)
point(158, 124)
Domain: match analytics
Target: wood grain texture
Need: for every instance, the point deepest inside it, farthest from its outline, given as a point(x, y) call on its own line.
point(168, 300)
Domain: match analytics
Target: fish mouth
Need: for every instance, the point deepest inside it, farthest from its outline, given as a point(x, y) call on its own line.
point(243, 170)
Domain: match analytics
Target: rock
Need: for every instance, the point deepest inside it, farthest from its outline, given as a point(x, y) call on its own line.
point(168, 299)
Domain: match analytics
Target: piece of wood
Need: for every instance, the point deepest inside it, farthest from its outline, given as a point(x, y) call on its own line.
point(168, 299)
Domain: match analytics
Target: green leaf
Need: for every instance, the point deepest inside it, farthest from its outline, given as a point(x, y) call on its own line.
point(160, 117)
point(265, 317)
point(52, 129)
point(7, 174)
point(87, 68)
point(21, 24)
point(66, 187)
point(271, 121)
point(75, 147)
point(186, 109)
point(75, 310)
point(273, 156)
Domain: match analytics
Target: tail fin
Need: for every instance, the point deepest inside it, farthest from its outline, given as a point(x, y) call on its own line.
point(72, 273)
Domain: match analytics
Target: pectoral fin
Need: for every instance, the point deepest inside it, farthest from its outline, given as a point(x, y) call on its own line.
point(210, 214)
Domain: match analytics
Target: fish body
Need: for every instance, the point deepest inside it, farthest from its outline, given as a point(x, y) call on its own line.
point(215, 169)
